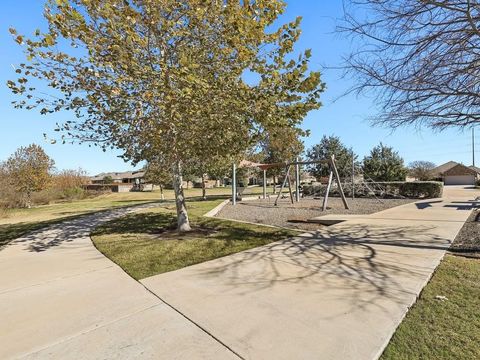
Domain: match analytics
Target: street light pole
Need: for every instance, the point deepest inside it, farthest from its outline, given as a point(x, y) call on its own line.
point(473, 146)
point(234, 184)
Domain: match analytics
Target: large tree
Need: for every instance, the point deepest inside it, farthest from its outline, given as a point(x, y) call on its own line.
point(280, 146)
point(328, 146)
point(166, 77)
point(157, 172)
point(28, 170)
point(384, 164)
point(213, 167)
point(419, 58)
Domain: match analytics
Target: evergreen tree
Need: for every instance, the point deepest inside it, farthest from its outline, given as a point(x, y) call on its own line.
point(328, 146)
point(384, 164)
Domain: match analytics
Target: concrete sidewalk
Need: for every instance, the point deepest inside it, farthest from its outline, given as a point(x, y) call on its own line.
point(61, 299)
point(337, 294)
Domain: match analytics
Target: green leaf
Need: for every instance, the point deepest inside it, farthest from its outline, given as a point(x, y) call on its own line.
point(49, 40)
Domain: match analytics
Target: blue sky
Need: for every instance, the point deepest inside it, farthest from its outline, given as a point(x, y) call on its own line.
point(345, 117)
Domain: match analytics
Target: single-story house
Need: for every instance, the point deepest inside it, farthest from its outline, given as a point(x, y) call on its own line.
point(120, 181)
point(125, 177)
point(117, 187)
point(135, 181)
point(453, 173)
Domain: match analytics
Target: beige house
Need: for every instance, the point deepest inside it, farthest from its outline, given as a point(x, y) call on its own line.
point(125, 177)
point(453, 173)
point(120, 181)
point(135, 181)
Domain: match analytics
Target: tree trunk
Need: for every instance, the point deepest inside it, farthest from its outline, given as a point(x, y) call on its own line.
point(28, 200)
point(274, 184)
point(183, 224)
point(161, 193)
point(204, 191)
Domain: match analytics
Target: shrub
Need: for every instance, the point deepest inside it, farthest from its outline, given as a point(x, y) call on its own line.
point(69, 179)
point(415, 190)
point(421, 189)
point(44, 197)
point(74, 193)
point(65, 185)
point(9, 198)
point(3, 211)
point(314, 190)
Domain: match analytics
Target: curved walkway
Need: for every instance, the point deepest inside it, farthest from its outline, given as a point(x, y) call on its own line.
point(62, 299)
point(335, 294)
point(339, 293)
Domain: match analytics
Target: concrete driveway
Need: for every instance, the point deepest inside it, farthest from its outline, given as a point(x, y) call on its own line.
point(335, 294)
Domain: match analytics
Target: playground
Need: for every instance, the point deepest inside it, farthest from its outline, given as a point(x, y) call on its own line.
point(289, 208)
point(297, 215)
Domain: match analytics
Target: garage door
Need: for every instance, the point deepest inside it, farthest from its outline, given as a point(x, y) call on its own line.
point(459, 180)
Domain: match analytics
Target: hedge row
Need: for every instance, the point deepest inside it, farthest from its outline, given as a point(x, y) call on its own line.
point(399, 189)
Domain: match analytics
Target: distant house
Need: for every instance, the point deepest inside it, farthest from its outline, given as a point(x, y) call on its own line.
point(125, 177)
point(453, 173)
point(307, 178)
point(120, 181)
point(477, 169)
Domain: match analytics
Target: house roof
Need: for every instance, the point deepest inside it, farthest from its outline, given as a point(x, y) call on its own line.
point(440, 170)
point(119, 175)
point(460, 169)
point(477, 169)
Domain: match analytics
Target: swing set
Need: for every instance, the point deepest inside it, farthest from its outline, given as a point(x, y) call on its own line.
point(288, 179)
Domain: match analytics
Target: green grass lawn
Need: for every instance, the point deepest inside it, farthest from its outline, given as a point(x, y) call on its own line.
point(436, 329)
point(146, 243)
point(18, 222)
point(102, 202)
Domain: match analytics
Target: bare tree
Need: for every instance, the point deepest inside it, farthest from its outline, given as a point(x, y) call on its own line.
point(419, 58)
point(421, 170)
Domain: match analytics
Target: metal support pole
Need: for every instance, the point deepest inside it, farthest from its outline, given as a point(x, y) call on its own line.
point(297, 180)
point(327, 191)
point(234, 184)
point(283, 185)
point(264, 184)
point(473, 146)
point(353, 176)
point(290, 187)
point(339, 183)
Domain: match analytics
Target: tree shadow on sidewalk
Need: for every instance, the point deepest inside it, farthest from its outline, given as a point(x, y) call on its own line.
point(41, 236)
point(363, 263)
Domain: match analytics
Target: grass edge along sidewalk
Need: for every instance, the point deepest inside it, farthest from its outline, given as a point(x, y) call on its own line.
point(444, 323)
point(146, 243)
